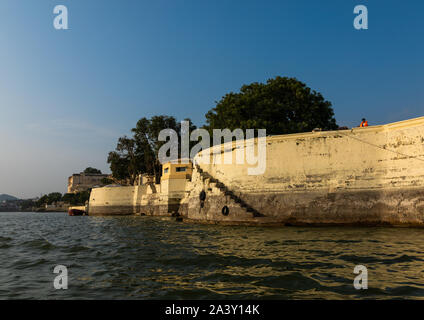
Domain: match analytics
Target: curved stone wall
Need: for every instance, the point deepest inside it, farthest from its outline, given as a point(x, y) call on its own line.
point(370, 176)
point(115, 200)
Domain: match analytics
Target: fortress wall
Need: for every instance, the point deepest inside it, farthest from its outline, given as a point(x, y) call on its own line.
point(357, 159)
point(128, 200)
point(363, 176)
point(116, 200)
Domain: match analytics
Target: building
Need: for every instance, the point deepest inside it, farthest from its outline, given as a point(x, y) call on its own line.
point(173, 183)
point(59, 206)
point(145, 197)
point(83, 181)
point(174, 177)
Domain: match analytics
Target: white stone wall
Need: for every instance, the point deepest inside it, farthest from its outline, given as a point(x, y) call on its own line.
point(387, 156)
point(117, 196)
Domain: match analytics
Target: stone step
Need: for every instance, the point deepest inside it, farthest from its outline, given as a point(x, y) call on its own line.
point(217, 187)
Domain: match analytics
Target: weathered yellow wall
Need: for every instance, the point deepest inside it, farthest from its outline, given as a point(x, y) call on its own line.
point(173, 187)
point(116, 200)
point(128, 200)
point(371, 175)
point(169, 171)
point(365, 176)
point(387, 156)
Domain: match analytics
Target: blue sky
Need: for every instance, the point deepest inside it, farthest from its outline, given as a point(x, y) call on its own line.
point(67, 95)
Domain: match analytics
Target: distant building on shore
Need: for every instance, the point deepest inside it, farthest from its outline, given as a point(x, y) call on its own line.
point(79, 182)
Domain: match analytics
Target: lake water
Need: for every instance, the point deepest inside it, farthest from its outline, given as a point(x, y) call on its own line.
point(158, 258)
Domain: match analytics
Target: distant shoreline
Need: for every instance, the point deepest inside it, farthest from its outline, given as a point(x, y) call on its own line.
point(36, 210)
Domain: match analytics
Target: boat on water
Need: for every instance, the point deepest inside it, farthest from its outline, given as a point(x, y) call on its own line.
point(77, 212)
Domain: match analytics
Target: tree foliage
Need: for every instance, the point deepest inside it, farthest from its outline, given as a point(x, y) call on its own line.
point(106, 181)
point(91, 170)
point(282, 105)
point(42, 201)
point(54, 197)
point(72, 198)
point(124, 162)
point(49, 199)
point(76, 199)
point(139, 154)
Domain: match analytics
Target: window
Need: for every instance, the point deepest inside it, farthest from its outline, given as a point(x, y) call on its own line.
point(181, 169)
point(165, 170)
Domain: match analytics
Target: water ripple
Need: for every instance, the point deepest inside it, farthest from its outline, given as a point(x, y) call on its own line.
point(150, 258)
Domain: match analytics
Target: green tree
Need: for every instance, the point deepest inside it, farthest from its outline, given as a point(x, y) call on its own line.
point(91, 170)
point(282, 105)
point(54, 197)
point(42, 201)
point(76, 199)
point(118, 165)
point(106, 181)
point(49, 199)
point(125, 162)
point(69, 198)
point(139, 154)
point(83, 196)
point(146, 136)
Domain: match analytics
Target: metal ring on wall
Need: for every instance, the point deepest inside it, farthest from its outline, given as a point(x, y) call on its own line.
point(225, 210)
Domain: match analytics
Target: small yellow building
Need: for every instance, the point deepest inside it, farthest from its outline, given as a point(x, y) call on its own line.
point(177, 170)
point(175, 176)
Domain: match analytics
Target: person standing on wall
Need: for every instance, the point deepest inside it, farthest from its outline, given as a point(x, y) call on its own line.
point(364, 123)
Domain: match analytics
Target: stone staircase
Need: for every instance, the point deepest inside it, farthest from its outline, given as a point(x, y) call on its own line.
point(227, 192)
